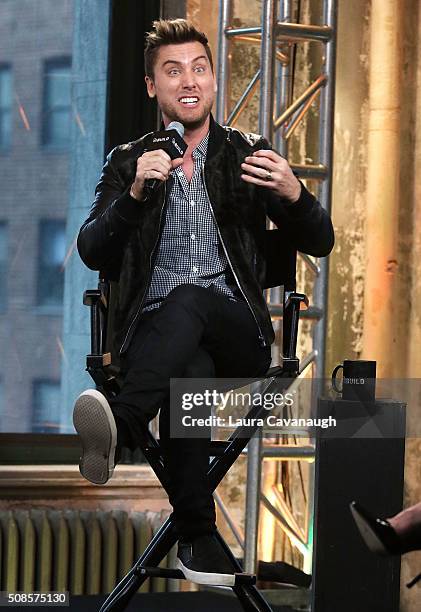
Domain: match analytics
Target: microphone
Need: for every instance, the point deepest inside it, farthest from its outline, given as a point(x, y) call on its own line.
point(171, 141)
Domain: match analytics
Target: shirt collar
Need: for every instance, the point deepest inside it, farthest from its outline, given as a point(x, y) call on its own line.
point(202, 147)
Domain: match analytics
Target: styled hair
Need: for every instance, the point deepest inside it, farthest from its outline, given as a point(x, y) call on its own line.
point(171, 32)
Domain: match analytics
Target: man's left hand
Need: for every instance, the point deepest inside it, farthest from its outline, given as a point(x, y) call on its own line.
point(267, 168)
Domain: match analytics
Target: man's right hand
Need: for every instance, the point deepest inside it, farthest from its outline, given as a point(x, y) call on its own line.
point(152, 165)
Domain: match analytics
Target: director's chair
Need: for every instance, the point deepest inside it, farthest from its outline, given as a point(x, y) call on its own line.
point(103, 367)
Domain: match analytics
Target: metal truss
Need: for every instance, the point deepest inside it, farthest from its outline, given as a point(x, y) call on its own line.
point(279, 117)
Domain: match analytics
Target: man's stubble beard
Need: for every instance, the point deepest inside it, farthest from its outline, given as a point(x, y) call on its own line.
point(171, 113)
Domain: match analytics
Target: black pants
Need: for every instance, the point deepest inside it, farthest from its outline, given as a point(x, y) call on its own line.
point(195, 333)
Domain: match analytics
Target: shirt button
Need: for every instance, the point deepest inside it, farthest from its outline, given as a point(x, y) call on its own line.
point(192, 202)
point(192, 236)
point(194, 268)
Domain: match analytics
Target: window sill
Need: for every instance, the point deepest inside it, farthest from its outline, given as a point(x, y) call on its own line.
point(48, 449)
point(131, 488)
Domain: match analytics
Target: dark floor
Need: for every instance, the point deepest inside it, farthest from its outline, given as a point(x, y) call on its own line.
point(167, 602)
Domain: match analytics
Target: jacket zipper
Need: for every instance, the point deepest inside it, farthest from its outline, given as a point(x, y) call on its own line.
point(261, 337)
point(150, 272)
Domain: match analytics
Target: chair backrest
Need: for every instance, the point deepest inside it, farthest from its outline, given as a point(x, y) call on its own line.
point(281, 260)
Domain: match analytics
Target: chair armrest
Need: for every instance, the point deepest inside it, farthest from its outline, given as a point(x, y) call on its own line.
point(293, 303)
point(93, 296)
point(292, 296)
point(96, 299)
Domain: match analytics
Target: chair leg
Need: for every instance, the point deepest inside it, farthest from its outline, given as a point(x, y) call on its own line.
point(158, 547)
point(249, 597)
point(117, 601)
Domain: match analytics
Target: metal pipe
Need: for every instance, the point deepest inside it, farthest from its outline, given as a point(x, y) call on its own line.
point(253, 39)
point(308, 557)
point(267, 62)
point(223, 60)
point(301, 453)
point(310, 263)
point(294, 537)
point(240, 105)
point(307, 360)
point(282, 86)
point(313, 312)
point(287, 513)
point(281, 57)
point(238, 535)
point(311, 171)
point(327, 105)
point(283, 82)
point(267, 36)
point(290, 31)
point(300, 115)
point(303, 32)
point(254, 475)
point(231, 32)
point(317, 84)
point(327, 100)
point(287, 452)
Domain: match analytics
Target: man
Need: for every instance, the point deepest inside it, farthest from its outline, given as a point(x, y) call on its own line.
point(190, 262)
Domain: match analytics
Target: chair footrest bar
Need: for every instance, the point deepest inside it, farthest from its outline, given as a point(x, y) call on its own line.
point(243, 579)
point(161, 572)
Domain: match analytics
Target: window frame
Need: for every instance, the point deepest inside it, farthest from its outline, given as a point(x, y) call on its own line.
point(4, 150)
point(61, 61)
point(44, 308)
point(5, 224)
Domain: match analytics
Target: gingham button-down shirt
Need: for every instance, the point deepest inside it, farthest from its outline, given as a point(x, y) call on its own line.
point(190, 250)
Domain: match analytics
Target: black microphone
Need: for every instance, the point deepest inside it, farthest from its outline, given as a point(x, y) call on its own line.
point(169, 140)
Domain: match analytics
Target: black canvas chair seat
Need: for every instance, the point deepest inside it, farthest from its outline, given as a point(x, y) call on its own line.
point(102, 365)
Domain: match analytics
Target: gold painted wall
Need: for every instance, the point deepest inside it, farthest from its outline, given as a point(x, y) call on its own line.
point(348, 280)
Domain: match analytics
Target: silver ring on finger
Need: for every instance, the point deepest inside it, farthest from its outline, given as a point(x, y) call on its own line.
point(268, 176)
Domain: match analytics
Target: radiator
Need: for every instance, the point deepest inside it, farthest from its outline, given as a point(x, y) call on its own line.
point(83, 552)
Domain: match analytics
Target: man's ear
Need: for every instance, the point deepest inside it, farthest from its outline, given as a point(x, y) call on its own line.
point(150, 87)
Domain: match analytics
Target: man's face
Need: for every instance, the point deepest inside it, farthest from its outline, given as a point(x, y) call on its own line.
point(183, 83)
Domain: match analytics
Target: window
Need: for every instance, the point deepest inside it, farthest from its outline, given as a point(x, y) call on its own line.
point(3, 266)
point(46, 406)
point(5, 106)
point(56, 103)
point(50, 267)
point(58, 97)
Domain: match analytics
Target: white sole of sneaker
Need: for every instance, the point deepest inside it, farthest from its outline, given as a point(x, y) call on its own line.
point(95, 424)
point(204, 577)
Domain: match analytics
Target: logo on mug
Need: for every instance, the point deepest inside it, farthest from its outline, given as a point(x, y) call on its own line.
point(354, 381)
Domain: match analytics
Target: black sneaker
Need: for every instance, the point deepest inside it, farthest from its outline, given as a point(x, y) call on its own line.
point(204, 561)
point(96, 426)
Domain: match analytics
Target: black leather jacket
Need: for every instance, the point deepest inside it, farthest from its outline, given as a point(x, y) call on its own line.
point(120, 237)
